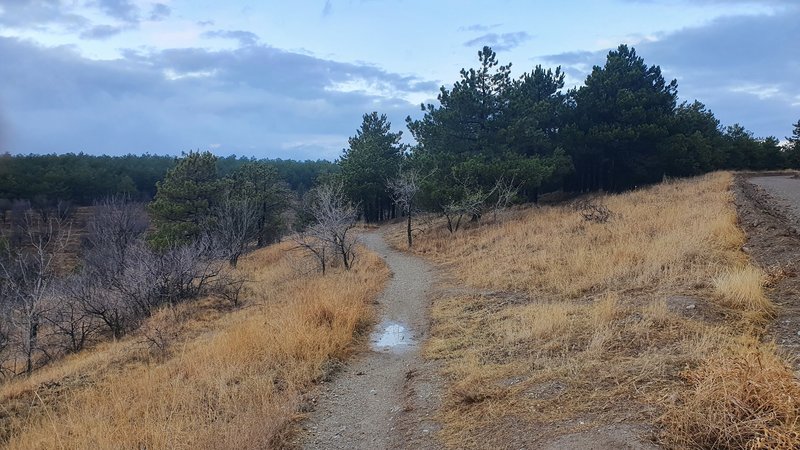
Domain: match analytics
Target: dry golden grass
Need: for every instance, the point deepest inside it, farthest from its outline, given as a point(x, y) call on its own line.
point(564, 320)
point(229, 380)
point(673, 234)
point(742, 289)
point(745, 398)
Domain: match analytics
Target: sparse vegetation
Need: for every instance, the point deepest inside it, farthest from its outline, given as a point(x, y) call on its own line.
point(199, 376)
point(633, 319)
point(329, 238)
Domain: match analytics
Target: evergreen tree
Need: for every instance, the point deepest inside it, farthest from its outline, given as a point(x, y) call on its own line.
point(373, 157)
point(489, 127)
point(792, 148)
point(621, 119)
point(258, 182)
point(181, 207)
point(694, 145)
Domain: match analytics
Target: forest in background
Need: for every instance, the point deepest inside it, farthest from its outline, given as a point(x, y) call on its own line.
point(490, 132)
point(81, 179)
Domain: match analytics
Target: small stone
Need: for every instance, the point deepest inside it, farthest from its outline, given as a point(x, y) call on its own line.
point(692, 306)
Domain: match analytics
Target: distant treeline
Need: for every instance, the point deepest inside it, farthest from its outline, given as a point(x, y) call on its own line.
point(490, 132)
point(81, 179)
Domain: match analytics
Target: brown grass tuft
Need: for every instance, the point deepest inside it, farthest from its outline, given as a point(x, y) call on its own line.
point(743, 289)
point(748, 398)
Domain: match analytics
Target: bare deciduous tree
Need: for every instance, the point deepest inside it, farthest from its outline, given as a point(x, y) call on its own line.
point(235, 224)
point(470, 204)
point(70, 322)
point(103, 303)
point(333, 217)
point(30, 273)
point(121, 282)
point(116, 226)
point(504, 192)
point(403, 190)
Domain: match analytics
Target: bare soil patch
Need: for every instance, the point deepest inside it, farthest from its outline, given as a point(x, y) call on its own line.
point(768, 211)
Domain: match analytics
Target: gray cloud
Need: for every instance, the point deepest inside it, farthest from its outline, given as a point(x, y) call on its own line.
point(123, 10)
point(478, 27)
point(254, 100)
point(327, 10)
point(245, 38)
point(4, 134)
point(745, 68)
point(100, 32)
point(46, 14)
point(39, 14)
point(160, 11)
point(499, 41)
point(721, 2)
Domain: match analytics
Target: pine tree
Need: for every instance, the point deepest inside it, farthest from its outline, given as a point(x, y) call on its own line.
point(792, 148)
point(181, 207)
point(373, 157)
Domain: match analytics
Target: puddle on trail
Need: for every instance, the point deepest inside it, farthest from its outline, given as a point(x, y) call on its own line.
point(391, 336)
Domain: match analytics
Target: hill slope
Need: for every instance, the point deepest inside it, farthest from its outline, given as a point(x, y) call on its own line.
point(560, 330)
point(201, 375)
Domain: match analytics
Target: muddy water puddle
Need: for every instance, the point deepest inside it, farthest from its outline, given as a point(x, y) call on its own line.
point(391, 336)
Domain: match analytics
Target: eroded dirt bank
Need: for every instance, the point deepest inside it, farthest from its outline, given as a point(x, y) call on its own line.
point(769, 212)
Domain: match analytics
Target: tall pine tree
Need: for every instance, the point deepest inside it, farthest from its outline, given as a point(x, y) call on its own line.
point(372, 158)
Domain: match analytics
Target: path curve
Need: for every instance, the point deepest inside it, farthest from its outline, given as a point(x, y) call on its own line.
point(363, 406)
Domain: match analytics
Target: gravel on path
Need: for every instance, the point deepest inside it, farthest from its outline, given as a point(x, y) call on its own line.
point(364, 406)
point(786, 189)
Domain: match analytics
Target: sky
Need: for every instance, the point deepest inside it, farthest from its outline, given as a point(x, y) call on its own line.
point(292, 79)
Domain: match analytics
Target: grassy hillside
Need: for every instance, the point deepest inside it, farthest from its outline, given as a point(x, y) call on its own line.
point(555, 323)
point(199, 375)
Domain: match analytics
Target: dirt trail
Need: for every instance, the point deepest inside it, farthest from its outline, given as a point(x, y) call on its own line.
point(785, 190)
point(384, 397)
point(769, 212)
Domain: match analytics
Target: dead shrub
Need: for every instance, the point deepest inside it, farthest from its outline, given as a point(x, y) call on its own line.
point(593, 211)
point(749, 399)
point(472, 391)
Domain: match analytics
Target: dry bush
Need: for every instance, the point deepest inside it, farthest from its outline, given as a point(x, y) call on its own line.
point(593, 211)
point(748, 398)
point(572, 320)
point(228, 380)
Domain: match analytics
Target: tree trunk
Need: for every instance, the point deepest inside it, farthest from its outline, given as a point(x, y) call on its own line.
point(408, 229)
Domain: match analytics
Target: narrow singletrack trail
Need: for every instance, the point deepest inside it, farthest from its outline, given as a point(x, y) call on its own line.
point(366, 405)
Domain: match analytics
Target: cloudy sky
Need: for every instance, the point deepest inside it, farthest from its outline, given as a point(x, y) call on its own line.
point(292, 79)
